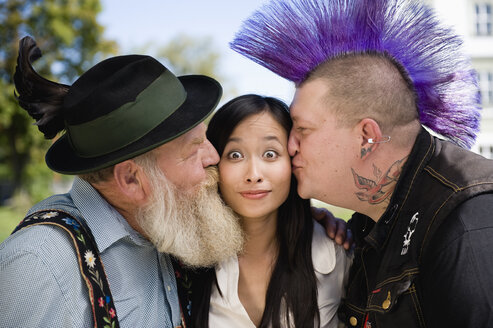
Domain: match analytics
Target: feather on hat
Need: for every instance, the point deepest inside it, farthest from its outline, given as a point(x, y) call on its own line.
point(292, 37)
point(41, 98)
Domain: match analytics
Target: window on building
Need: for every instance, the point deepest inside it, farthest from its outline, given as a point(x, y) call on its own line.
point(486, 151)
point(483, 18)
point(486, 87)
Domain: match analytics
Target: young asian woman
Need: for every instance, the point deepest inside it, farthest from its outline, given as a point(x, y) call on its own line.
point(290, 274)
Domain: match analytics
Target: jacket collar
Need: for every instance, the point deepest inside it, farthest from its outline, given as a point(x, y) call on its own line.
point(376, 234)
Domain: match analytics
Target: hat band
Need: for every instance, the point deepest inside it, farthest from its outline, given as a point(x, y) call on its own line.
point(129, 122)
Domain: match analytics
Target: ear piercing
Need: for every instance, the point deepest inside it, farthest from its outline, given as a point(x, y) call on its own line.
point(384, 140)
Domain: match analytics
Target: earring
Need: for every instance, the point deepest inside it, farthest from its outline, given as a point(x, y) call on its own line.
point(384, 140)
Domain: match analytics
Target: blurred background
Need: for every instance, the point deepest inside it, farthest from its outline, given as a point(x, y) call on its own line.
point(189, 37)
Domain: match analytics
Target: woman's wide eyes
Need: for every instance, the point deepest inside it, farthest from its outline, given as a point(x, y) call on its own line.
point(270, 154)
point(235, 155)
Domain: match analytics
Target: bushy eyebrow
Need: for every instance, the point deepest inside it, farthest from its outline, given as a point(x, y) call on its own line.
point(198, 140)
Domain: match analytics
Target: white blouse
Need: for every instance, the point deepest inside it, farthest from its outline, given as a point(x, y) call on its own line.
point(331, 264)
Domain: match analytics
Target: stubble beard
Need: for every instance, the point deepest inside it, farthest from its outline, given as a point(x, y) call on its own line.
point(195, 227)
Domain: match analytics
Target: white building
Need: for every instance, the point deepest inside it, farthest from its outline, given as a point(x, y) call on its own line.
point(473, 20)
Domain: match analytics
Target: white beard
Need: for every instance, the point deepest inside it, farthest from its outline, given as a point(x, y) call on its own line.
point(197, 228)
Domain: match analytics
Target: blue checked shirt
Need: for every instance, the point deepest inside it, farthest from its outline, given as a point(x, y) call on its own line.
point(40, 281)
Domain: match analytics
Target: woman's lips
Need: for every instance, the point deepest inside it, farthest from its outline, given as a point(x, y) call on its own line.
point(254, 194)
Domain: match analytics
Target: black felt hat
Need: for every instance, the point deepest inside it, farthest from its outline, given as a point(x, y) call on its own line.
point(123, 107)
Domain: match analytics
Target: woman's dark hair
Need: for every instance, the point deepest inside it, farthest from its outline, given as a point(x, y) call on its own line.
point(293, 280)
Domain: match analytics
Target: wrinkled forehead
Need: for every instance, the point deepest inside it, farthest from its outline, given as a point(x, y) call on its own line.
point(183, 143)
point(193, 136)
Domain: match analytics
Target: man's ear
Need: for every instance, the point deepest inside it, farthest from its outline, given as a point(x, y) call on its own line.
point(371, 136)
point(131, 180)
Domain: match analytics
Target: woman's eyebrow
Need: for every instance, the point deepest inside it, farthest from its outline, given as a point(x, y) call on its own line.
point(272, 137)
point(234, 139)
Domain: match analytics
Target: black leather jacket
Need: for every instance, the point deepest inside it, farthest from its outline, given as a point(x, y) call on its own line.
point(428, 261)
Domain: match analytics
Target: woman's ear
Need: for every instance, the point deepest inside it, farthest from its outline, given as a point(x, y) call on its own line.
point(131, 180)
point(371, 136)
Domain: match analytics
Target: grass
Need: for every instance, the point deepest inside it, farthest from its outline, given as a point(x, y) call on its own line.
point(338, 212)
point(9, 218)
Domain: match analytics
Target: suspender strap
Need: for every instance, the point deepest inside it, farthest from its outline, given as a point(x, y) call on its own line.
point(91, 267)
point(184, 285)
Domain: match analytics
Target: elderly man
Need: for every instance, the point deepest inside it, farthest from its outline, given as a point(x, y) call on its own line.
point(368, 75)
point(135, 138)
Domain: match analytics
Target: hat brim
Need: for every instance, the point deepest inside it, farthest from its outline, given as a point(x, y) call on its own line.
point(203, 95)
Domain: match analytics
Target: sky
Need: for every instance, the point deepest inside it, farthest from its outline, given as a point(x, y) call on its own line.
point(134, 23)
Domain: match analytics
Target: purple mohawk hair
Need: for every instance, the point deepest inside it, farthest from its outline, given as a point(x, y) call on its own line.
point(292, 37)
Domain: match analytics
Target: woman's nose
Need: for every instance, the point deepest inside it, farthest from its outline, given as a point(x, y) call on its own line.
point(253, 174)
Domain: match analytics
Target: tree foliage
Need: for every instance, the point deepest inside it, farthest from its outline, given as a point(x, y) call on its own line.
point(191, 55)
point(71, 41)
point(185, 54)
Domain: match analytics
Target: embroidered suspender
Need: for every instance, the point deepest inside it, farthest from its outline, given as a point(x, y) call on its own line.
point(91, 267)
point(184, 285)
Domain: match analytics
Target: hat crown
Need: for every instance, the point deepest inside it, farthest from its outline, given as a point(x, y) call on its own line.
point(109, 85)
point(119, 101)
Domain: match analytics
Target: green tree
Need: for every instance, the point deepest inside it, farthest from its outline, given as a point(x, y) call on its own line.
point(185, 54)
point(191, 55)
point(71, 41)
